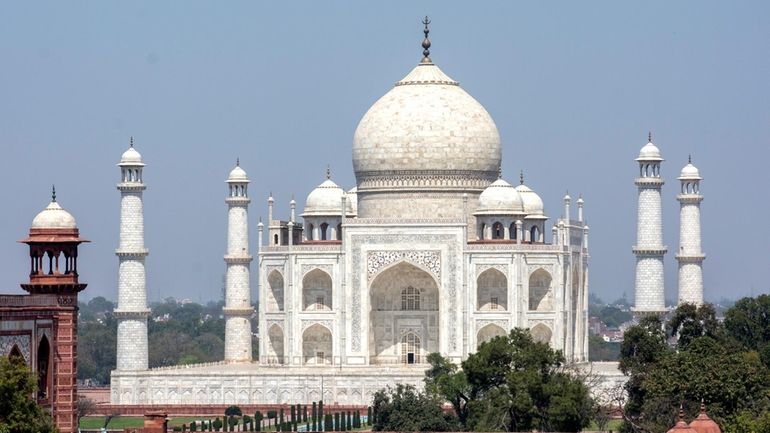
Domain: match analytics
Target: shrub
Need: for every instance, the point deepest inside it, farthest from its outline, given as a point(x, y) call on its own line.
point(217, 424)
point(233, 411)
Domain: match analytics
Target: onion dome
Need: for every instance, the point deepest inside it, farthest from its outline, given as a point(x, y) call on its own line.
point(649, 151)
point(681, 426)
point(237, 174)
point(426, 126)
point(54, 217)
point(131, 156)
point(690, 172)
point(533, 204)
point(325, 199)
point(704, 424)
point(500, 198)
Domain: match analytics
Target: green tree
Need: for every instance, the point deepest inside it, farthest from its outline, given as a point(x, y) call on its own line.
point(405, 409)
point(233, 411)
point(517, 384)
point(689, 322)
point(18, 412)
point(217, 424)
point(443, 380)
point(748, 321)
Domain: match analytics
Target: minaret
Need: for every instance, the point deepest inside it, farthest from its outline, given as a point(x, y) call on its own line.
point(690, 256)
point(649, 249)
point(132, 311)
point(238, 307)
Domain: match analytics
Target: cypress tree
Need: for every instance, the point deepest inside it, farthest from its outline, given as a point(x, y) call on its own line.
point(369, 419)
point(314, 414)
point(321, 416)
point(304, 413)
point(292, 414)
point(280, 418)
point(336, 421)
point(307, 426)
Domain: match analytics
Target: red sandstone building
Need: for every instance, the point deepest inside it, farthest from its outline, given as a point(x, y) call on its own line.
point(41, 327)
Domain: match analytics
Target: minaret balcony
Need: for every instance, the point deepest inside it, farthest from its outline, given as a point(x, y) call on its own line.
point(689, 198)
point(690, 258)
point(131, 187)
point(649, 181)
point(238, 259)
point(649, 251)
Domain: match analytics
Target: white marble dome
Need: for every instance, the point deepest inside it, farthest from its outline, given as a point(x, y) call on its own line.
point(533, 204)
point(426, 124)
point(131, 157)
point(690, 171)
point(54, 217)
point(649, 152)
point(500, 198)
point(325, 199)
point(237, 175)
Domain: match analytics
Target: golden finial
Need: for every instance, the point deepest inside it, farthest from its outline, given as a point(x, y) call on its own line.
point(649, 136)
point(521, 177)
point(328, 172)
point(53, 193)
point(131, 141)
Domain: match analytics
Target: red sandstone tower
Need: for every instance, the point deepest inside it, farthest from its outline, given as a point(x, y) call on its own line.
point(53, 250)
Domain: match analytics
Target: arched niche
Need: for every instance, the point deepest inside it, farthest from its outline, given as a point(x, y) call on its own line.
point(275, 291)
point(275, 345)
point(488, 332)
point(317, 291)
point(43, 367)
point(492, 291)
point(403, 298)
point(317, 345)
point(540, 292)
point(541, 333)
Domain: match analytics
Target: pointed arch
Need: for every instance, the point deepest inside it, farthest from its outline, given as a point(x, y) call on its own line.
point(492, 291)
point(317, 290)
point(16, 355)
point(411, 349)
point(43, 367)
point(498, 232)
point(541, 333)
point(275, 345)
point(540, 291)
point(317, 345)
point(400, 285)
point(488, 332)
point(534, 234)
point(275, 292)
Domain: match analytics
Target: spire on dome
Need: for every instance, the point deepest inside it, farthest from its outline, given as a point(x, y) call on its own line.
point(131, 141)
point(649, 136)
point(237, 162)
point(426, 42)
point(689, 159)
point(500, 171)
point(521, 177)
point(53, 193)
point(328, 172)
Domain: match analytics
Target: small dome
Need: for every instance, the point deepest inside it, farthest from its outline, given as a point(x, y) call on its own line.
point(704, 424)
point(54, 217)
point(533, 204)
point(690, 172)
point(649, 152)
point(237, 175)
point(131, 157)
point(500, 198)
point(325, 199)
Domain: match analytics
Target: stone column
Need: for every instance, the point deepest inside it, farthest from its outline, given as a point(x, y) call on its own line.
point(132, 311)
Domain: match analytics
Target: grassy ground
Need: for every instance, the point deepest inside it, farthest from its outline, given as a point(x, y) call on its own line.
point(121, 422)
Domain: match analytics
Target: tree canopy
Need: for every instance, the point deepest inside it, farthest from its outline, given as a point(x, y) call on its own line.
point(19, 413)
point(512, 383)
point(404, 408)
point(716, 363)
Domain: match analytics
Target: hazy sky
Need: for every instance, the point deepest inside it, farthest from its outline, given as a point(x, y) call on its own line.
point(574, 88)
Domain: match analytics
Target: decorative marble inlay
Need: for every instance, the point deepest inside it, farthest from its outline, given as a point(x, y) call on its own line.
point(325, 323)
point(501, 323)
point(377, 260)
point(309, 267)
point(502, 268)
point(21, 341)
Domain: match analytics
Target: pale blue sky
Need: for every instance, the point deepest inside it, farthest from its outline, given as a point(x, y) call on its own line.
point(573, 86)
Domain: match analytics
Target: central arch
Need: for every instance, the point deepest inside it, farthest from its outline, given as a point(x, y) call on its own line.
point(404, 302)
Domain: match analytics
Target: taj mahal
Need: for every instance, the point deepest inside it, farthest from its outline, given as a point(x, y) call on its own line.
point(432, 250)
